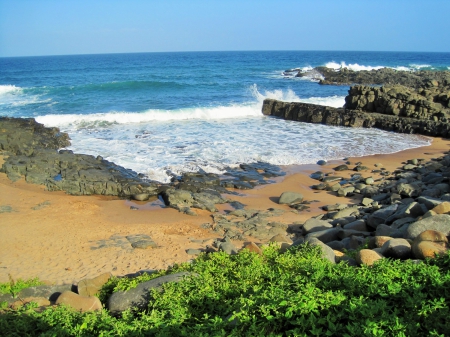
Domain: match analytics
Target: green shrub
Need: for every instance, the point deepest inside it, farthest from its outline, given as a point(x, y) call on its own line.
point(14, 287)
point(292, 294)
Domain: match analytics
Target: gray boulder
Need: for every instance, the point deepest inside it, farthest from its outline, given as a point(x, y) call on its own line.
point(139, 297)
point(327, 252)
point(429, 202)
point(397, 249)
point(409, 190)
point(290, 198)
point(439, 222)
point(326, 235)
point(379, 217)
point(346, 212)
point(315, 225)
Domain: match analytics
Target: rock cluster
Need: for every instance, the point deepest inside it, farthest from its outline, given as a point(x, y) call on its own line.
point(431, 102)
point(204, 190)
point(404, 214)
point(383, 76)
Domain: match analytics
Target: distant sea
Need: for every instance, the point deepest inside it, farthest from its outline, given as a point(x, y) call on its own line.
point(163, 113)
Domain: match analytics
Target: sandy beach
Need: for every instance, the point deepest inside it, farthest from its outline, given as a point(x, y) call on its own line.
point(63, 239)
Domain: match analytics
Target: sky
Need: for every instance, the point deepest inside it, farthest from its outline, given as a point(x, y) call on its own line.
point(61, 27)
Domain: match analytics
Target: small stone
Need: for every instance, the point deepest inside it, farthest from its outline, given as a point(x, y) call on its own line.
point(79, 303)
point(191, 251)
point(408, 167)
point(322, 162)
point(366, 201)
point(341, 168)
point(227, 247)
point(369, 181)
point(141, 241)
point(141, 196)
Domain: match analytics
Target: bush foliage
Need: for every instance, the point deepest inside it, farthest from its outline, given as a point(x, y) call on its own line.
point(296, 293)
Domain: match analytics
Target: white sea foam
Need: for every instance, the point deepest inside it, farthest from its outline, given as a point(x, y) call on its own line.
point(333, 101)
point(151, 115)
point(354, 66)
point(160, 148)
point(8, 89)
point(12, 96)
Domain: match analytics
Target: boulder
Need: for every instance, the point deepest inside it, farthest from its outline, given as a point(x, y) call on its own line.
point(346, 212)
point(315, 225)
point(442, 208)
point(40, 301)
point(379, 217)
point(253, 247)
point(427, 250)
point(440, 222)
point(378, 241)
point(290, 198)
point(433, 236)
point(327, 252)
point(139, 297)
point(397, 249)
point(326, 235)
point(91, 287)
point(409, 190)
point(79, 303)
point(357, 225)
point(367, 257)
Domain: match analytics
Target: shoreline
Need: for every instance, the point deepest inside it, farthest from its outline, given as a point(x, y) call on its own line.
point(63, 238)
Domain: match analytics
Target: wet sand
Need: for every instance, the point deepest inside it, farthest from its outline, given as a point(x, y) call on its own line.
point(63, 239)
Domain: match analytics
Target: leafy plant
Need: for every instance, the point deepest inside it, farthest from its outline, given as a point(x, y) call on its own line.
point(296, 293)
point(14, 287)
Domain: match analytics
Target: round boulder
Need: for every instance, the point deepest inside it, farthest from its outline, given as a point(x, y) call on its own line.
point(290, 198)
point(367, 257)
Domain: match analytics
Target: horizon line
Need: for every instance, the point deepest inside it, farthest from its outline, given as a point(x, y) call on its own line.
point(229, 51)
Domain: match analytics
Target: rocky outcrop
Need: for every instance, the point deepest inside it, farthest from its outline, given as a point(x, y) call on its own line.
point(319, 114)
point(22, 136)
point(34, 152)
point(427, 103)
point(383, 76)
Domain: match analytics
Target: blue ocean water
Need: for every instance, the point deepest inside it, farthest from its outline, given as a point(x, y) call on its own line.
point(158, 113)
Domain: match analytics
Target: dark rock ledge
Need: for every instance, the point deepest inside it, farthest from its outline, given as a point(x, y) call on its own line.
point(312, 113)
point(36, 153)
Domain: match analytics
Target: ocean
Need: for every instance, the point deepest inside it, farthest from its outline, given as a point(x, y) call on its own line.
point(167, 113)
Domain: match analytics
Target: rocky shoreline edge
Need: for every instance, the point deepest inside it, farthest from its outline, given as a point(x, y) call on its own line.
point(404, 214)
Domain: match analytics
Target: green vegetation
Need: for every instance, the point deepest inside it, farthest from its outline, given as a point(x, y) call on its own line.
point(13, 287)
point(292, 294)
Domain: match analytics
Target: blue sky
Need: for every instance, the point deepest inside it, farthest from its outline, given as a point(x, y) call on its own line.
point(58, 27)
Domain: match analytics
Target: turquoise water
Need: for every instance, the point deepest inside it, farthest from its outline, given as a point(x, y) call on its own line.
point(173, 112)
